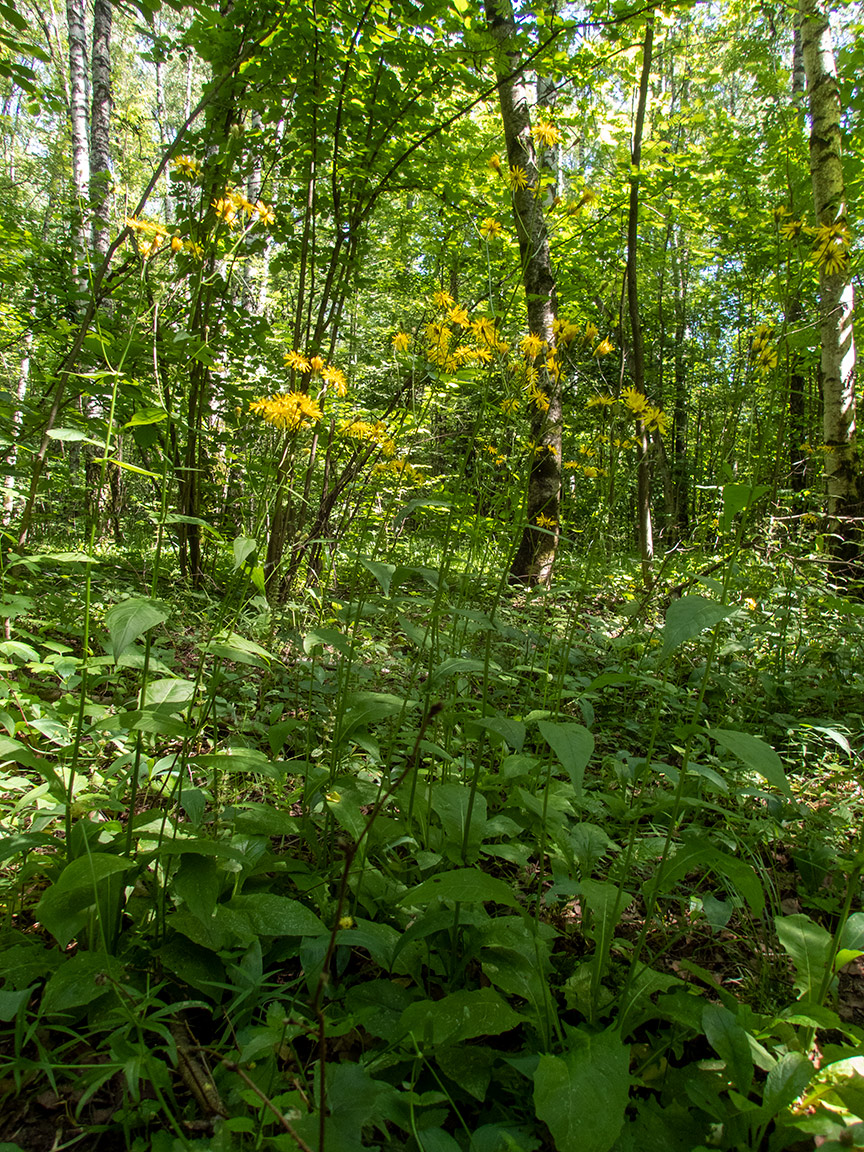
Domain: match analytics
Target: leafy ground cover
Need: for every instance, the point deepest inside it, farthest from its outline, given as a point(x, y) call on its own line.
point(421, 862)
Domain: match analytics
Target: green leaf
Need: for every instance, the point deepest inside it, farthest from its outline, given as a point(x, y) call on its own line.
point(573, 744)
point(244, 547)
point(272, 915)
point(130, 619)
point(730, 1042)
point(451, 802)
point(737, 498)
point(198, 882)
point(786, 1081)
point(606, 903)
point(809, 947)
point(582, 1096)
point(688, 617)
point(383, 573)
point(72, 436)
point(465, 885)
point(81, 980)
point(147, 416)
point(756, 754)
point(459, 1017)
point(327, 638)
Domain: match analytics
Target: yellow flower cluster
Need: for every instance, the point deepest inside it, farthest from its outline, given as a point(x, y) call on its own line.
point(497, 457)
point(831, 247)
point(401, 469)
point(291, 411)
point(372, 431)
point(543, 521)
point(316, 367)
point(233, 205)
point(652, 417)
point(587, 470)
point(763, 349)
point(151, 236)
point(601, 401)
point(444, 346)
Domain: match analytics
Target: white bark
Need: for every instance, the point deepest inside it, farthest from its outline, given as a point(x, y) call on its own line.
point(835, 286)
point(77, 38)
point(100, 128)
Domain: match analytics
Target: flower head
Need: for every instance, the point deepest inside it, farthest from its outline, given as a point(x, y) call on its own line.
point(401, 341)
point(185, 166)
point(604, 347)
point(458, 315)
point(297, 362)
point(543, 521)
point(532, 345)
point(443, 299)
point(518, 177)
point(335, 378)
point(490, 228)
point(546, 134)
point(495, 162)
point(831, 247)
point(290, 411)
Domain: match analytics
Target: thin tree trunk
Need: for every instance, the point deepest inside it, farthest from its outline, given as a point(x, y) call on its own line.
point(77, 37)
point(100, 129)
point(535, 555)
point(835, 282)
point(643, 489)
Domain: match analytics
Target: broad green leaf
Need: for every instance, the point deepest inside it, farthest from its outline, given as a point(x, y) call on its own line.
point(127, 467)
point(513, 732)
point(244, 547)
point(198, 882)
point(459, 666)
point(607, 903)
point(146, 416)
point(239, 650)
point(272, 915)
point(452, 802)
point(809, 947)
point(383, 573)
point(465, 885)
point(81, 980)
point(730, 1042)
point(786, 1081)
point(852, 936)
point(72, 436)
point(327, 638)
point(573, 744)
point(737, 498)
point(130, 619)
point(582, 1096)
point(10, 1003)
point(756, 754)
point(459, 1017)
point(688, 617)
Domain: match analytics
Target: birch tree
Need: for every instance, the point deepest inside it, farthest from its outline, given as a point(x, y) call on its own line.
point(835, 282)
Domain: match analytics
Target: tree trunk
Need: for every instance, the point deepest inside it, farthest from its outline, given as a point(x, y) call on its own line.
point(835, 283)
point(77, 37)
point(643, 491)
point(100, 129)
point(535, 555)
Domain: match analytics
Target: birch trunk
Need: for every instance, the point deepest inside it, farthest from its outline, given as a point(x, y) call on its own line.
point(100, 129)
point(535, 555)
point(77, 38)
point(835, 282)
point(643, 483)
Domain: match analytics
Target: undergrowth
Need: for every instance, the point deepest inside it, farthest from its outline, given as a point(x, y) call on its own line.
point(419, 861)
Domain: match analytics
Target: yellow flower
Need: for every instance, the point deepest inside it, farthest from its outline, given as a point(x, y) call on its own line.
point(635, 400)
point(601, 401)
point(518, 177)
point(443, 299)
point(375, 432)
point(591, 333)
point(604, 347)
point(591, 472)
point(176, 244)
point(780, 211)
point(567, 333)
point(335, 379)
point(538, 398)
point(401, 341)
point(291, 411)
point(226, 209)
point(831, 247)
point(297, 362)
point(570, 465)
point(553, 367)
point(543, 521)
point(546, 134)
point(186, 166)
point(495, 162)
point(265, 214)
point(483, 330)
point(791, 229)
point(458, 315)
point(533, 345)
point(587, 197)
point(750, 604)
point(510, 407)
point(316, 364)
point(346, 922)
point(194, 250)
point(401, 469)
point(490, 227)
